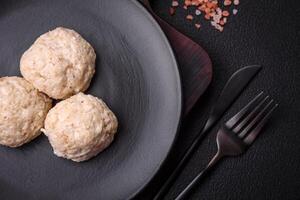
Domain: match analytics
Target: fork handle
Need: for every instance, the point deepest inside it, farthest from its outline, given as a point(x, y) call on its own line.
point(184, 194)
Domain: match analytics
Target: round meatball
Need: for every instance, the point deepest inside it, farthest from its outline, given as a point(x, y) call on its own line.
point(60, 63)
point(80, 127)
point(23, 110)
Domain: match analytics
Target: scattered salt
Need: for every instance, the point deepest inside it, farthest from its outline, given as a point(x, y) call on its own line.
point(210, 9)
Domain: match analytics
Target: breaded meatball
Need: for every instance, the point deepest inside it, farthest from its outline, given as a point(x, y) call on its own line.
point(60, 63)
point(22, 111)
point(80, 127)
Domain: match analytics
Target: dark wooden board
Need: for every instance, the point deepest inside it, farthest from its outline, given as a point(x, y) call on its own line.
point(194, 63)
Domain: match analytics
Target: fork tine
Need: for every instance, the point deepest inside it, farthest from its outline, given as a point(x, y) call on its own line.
point(250, 116)
point(236, 118)
point(255, 120)
point(253, 134)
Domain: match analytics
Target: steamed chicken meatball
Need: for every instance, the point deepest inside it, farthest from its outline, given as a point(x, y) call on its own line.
point(22, 111)
point(80, 127)
point(60, 63)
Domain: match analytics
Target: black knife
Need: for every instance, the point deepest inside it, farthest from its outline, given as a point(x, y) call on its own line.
point(233, 88)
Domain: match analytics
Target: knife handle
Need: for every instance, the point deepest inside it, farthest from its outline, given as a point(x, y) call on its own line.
point(187, 155)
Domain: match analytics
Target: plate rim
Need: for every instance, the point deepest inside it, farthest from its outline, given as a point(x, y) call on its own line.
point(143, 9)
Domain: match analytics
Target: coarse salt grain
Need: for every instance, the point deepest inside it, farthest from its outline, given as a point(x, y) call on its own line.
point(175, 3)
point(225, 13)
point(227, 2)
point(219, 11)
point(189, 17)
point(219, 27)
point(188, 3)
point(195, 3)
point(213, 23)
point(234, 11)
point(236, 2)
point(216, 18)
point(198, 12)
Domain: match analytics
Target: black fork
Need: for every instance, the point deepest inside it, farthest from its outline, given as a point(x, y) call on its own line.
point(238, 133)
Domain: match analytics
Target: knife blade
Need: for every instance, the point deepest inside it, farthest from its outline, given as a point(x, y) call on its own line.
point(231, 91)
point(233, 88)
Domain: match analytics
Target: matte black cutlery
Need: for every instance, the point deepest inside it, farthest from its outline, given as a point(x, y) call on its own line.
point(234, 86)
point(237, 134)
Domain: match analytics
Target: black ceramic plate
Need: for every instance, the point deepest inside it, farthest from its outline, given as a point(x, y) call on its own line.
point(136, 75)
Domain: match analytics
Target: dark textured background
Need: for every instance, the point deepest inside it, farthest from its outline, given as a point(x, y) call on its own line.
point(263, 32)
